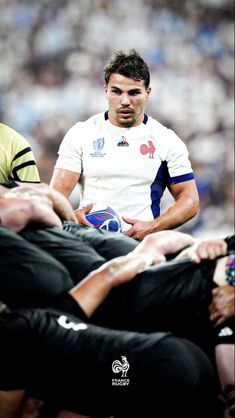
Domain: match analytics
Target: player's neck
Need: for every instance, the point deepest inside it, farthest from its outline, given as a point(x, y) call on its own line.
point(114, 122)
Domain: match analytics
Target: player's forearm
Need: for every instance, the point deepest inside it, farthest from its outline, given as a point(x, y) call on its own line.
point(164, 243)
point(91, 292)
point(64, 181)
point(59, 185)
point(180, 212)
point(61, 205)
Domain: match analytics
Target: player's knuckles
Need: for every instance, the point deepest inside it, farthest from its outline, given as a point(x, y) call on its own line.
point(159, 259)
point(138, 236)
point(199, 253)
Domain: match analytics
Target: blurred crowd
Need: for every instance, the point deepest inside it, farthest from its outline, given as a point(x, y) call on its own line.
point(51, 75)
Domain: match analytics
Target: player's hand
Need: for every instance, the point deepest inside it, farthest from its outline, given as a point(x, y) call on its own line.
point(139, 229)
point(223, 304)
point(16, 213)
point(26, 192)
point(92, 290)
point(42, 191)
point(166, 242)
point(81, 213)
point(61, 204)
point(148, 246)
point(205, 250)
point(122, 269)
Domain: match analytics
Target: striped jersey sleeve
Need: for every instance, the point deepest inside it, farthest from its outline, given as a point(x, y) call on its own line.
point(17, 160)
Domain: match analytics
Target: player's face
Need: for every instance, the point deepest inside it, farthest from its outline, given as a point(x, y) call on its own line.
point(127, 99)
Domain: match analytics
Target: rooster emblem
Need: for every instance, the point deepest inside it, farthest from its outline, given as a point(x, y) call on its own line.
point(148, 149)
point(119, 366)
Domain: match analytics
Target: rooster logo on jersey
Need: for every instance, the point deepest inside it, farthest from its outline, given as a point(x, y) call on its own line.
point(118, 366)
point(148, 149)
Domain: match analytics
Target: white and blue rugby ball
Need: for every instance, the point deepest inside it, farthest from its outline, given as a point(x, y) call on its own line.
point(104, 217)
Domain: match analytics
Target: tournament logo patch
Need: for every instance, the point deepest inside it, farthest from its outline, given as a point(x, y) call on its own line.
point(148, 149)
point(98, 145)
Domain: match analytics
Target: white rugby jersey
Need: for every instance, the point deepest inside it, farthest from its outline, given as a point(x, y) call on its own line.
point(125, 168)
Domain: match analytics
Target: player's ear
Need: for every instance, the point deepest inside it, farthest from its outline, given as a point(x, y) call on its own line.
point(105, 88)
point(148, 92)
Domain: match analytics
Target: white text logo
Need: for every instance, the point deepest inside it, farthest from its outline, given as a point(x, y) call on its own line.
point(62, 320)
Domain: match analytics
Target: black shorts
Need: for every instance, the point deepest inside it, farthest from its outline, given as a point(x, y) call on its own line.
point(73, 367)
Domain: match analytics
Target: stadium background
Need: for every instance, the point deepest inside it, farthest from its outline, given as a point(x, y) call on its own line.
point(52, 55)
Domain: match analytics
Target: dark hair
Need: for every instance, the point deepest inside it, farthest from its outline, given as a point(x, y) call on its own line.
point(129, 65)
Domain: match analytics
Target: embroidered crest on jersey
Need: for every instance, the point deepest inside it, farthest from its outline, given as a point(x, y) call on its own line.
point(122, 142)
point(98, 145)
point(148, 149)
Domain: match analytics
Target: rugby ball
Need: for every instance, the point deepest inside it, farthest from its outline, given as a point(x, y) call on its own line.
point(104, 217)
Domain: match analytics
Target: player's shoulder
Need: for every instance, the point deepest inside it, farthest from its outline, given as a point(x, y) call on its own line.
point(9, 135)
point(163, 132)
point(5, 130)
point(12, 142)
point(93, 121)
point(159, 127)
point(96, 121)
